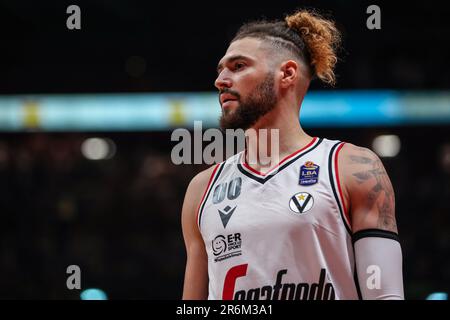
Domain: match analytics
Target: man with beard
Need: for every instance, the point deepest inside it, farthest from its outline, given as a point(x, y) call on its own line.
point(317, 225)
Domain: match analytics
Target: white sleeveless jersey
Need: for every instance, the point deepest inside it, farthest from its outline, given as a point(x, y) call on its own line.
point(280, 235)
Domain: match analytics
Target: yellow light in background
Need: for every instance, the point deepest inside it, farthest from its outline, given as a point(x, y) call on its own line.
point(177, 113)
point(31, 115)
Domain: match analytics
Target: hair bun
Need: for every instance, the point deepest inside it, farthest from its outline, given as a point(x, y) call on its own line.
point(321, 39)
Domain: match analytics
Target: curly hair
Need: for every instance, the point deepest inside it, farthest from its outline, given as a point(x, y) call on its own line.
point(304, 33)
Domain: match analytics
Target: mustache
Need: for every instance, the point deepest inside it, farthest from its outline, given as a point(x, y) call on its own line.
point(232, 92)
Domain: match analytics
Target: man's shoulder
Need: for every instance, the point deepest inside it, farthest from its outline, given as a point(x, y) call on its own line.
point(195, 191)
point(201, 179)
point(199, 183)
point(360, 168)
point(352, 148)
point(368, 189)
point(357, 155)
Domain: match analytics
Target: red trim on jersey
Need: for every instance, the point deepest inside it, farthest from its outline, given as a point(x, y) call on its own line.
point(336, 166)
point(204, 193)
point(230, 280)
point(281, 162)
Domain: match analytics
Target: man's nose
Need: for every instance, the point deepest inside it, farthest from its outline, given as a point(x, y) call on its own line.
point(222, 82)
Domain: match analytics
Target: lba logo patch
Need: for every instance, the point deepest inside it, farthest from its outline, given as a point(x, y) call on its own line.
point(309, 174)
point(301, 202)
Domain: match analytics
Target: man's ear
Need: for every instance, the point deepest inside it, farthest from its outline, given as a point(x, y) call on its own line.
point(289, 73)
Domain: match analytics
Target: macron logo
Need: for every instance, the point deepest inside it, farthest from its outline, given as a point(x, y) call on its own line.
point(225, 214)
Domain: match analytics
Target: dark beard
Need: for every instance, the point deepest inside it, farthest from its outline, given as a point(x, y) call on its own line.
point(260, 102)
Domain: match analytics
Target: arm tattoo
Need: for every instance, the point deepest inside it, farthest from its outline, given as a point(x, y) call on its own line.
point(383, 187)
point(359, 159)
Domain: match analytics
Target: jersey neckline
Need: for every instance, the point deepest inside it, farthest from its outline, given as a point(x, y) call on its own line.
point(264, 177)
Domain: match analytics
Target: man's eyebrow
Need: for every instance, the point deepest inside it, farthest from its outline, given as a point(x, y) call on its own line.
point(232, 59)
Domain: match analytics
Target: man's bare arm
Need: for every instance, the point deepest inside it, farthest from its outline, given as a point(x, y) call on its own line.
point(368, 189)
point(196, 273)
point(370, 198)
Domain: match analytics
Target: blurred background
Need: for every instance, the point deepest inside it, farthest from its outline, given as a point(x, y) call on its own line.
point(86, 118)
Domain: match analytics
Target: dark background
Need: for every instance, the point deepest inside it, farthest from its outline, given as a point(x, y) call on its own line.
point(182, 41)
point(119, 219)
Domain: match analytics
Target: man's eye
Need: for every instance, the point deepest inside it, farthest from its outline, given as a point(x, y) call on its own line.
point(239, 65)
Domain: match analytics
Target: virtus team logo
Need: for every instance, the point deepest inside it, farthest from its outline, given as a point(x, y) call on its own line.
point(301, 202)
point(225, 247)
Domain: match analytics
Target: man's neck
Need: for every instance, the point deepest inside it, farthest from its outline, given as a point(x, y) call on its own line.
point(283, 135)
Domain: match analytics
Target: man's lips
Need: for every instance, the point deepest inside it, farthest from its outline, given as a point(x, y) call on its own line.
point(228, 103)
point(226, 97)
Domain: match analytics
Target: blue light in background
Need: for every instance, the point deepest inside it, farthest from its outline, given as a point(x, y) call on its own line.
point(164, 111)
point(438, 296)
point(93, 294)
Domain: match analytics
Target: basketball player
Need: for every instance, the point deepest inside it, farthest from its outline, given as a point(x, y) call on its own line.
point(320, 224)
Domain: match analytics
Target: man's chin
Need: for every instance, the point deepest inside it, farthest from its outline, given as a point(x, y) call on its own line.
point(233, 125)
point(232, 119)
point(228, 124)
